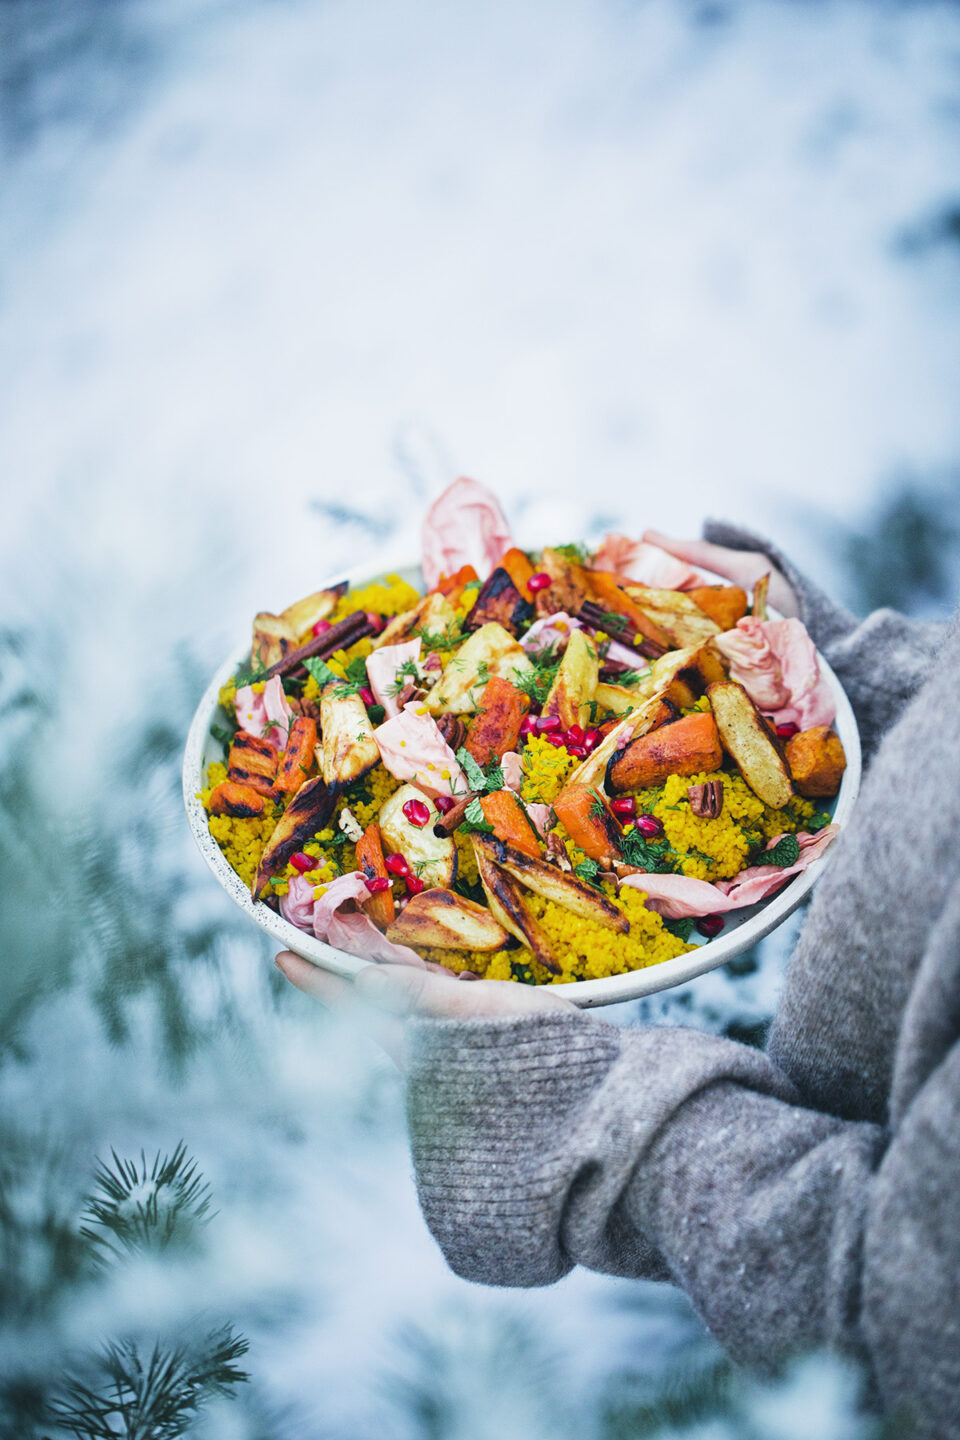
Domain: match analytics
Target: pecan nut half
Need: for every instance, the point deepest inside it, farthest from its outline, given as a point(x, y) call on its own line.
point(453, 730)
point(706, 800)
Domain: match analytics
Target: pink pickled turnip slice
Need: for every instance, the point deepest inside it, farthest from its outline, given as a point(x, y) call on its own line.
point(776, 663)
point(412, 748)
point(383, 667)
point(265, 713)
point(349, 930)
point(676, 897)
point(463, 526)
point(645, 563)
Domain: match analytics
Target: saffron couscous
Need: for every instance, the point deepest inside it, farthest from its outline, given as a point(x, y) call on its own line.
point(549, 766)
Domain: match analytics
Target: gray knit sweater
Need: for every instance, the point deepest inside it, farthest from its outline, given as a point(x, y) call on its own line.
point(805, 1196)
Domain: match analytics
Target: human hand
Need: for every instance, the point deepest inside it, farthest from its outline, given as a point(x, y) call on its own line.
point(742, 567)
point(383, 997)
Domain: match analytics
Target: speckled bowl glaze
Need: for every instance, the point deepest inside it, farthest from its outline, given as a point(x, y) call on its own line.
point(743, 927)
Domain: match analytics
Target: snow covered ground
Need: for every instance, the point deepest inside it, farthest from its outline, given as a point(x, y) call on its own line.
point(272, 273)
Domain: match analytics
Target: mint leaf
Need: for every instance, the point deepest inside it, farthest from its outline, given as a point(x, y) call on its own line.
point(683, 929)
point(224, 736)
point(475, 776)
point(587, 871)
point(321, 672)
point(785, 852)
point(473, 818)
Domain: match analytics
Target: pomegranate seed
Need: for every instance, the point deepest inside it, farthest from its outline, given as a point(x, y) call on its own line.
point(591, 738)
point(303, 862)
point(321, 627)
point(710, 925)
point(417, 813)
point(625, 805)
point(528, 726)
point(367, 696)
point(556, 738)
point(375, 620)
point(540, 581)
point(414, 885)
point(547, 724)
point(444, 803)
point(786, 731)
point(649, 825)
point(574, 735)
point(376, 884)
point(397, 864)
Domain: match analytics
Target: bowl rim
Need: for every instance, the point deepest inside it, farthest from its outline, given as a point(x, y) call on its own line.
point(757, 921)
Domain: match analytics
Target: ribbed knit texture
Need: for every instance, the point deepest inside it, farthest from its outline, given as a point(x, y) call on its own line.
point(806, 1196)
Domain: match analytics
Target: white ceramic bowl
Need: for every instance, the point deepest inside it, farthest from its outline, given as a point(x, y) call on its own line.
point(743, 927)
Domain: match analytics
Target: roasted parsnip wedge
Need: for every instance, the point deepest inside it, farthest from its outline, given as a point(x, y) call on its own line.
point(309, 811)
point(431, 857)
point(507, 905)
point(552, 884)
point(747, 737)
point(347, 747)
point(680, 618)
point(575, 683)
point(433, 616)
point(621, 699)
point(491, 650)
point(759, 607)
point(439, 917)
point(683, 675)
point(273, 638)
point(303, 614)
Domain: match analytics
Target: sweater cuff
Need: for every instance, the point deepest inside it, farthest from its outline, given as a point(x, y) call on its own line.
point(825, 621)
point(487, 1102)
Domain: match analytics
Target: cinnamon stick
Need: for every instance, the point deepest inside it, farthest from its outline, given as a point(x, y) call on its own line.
point(449, 822)
point(339, 637)
point(619, 628)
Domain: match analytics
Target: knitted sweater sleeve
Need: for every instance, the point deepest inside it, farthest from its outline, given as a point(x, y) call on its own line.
point(552, 1140)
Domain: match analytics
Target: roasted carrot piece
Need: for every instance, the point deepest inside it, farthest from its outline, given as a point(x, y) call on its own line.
point(609, 594)
point(297, 758)
point(496, 728)
point(683, 748)
point(503, 811)
point(453, 585)
point(725, 604)
point(252, 762)
point(519, 569)
point(589, 821)
point(380, 908)
point(241, 801)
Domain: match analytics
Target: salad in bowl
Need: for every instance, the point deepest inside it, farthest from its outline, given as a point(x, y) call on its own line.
point(567, 765)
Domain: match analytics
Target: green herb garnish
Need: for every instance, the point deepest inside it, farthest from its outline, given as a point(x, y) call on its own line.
point(224, 736)
point(587, 871)
point(785, 852)
point(683, 929)
point(473, 818)
point(476, 779)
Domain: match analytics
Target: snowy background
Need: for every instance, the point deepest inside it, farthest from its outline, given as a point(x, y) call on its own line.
point(271, 274)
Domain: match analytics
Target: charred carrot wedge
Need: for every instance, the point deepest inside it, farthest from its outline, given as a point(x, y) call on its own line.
point(519, 569)
point(725, 604)
point(503, 811)
point(589, 821)
point(241, 801)
point(453, 585)
point(497, 726)
point(252, 762)
point(683, 748)
point(380, 908)
point(297, 758)
point(609, 594)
